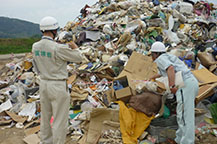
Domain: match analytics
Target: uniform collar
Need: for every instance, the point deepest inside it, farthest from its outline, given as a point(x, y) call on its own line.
point(47, 37)
point(159, 57)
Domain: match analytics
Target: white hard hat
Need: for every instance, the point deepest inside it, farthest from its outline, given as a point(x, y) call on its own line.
point(158, 47)
point(48, 23)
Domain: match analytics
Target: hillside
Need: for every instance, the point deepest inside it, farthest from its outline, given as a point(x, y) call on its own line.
point(16, 45)
point(15, 28)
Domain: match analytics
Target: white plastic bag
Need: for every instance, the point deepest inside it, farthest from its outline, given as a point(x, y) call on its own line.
point(107, 29)
point(171, 35)
point(179, 83)
point(185, 8)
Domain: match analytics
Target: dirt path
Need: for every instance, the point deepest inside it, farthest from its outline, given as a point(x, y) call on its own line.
point(15, 136)
point(11, 135)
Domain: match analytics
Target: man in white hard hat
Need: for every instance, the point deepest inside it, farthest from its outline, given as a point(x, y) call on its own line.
point(168, 65)
point(50, 58)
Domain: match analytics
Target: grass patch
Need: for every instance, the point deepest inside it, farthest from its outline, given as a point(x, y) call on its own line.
point(16, 45)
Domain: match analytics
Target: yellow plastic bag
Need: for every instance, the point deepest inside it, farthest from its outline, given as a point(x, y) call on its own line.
point(132, 123)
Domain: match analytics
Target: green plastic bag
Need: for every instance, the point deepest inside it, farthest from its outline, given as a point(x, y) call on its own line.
point(166, 113)
point(213, 110)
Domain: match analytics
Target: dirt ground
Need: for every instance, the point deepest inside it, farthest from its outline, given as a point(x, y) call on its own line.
point(11, 135)
point(15, 136)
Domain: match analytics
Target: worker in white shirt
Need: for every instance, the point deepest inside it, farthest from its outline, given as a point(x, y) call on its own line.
point(168, 65)
point(50, 58)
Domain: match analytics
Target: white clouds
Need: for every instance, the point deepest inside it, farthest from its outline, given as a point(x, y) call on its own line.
point(35, 10)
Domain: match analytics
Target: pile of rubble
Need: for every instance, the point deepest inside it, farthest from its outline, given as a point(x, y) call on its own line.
point(115, 37)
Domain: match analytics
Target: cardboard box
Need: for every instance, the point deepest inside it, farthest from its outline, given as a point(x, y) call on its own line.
point(139, 67)
point(123, 92)
point(126, 92)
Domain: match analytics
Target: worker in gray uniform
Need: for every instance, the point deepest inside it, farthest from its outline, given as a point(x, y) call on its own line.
point(168, 65)
point(50, 58)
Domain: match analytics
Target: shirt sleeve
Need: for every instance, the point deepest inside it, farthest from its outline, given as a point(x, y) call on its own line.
point(35, 67)
point(163, 62)
point(67, 54)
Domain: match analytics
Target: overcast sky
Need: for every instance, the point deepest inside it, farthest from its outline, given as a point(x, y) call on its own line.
point(35, 10)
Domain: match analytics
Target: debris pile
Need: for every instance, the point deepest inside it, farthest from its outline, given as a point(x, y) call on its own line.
point(115, 37)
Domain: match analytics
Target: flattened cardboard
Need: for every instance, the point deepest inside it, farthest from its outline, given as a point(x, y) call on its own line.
point(71, 79)
point(205, 91)
point(204, 76)
point(32, 130)
point(139, 67)
point(32, 139)
point(98, 116)
point(104, 76)
point(212, 67)
point(108, 70)
point(31, 123)
point(110, 125)
point(7, 122)
point(83, 67)
point(108, 97)
point(78, 94)
point(3, 113)
point(83, 139)
point(16, 117)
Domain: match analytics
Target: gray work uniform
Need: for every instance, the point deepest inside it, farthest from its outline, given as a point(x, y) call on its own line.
point(185, 97)
point(51, 61)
